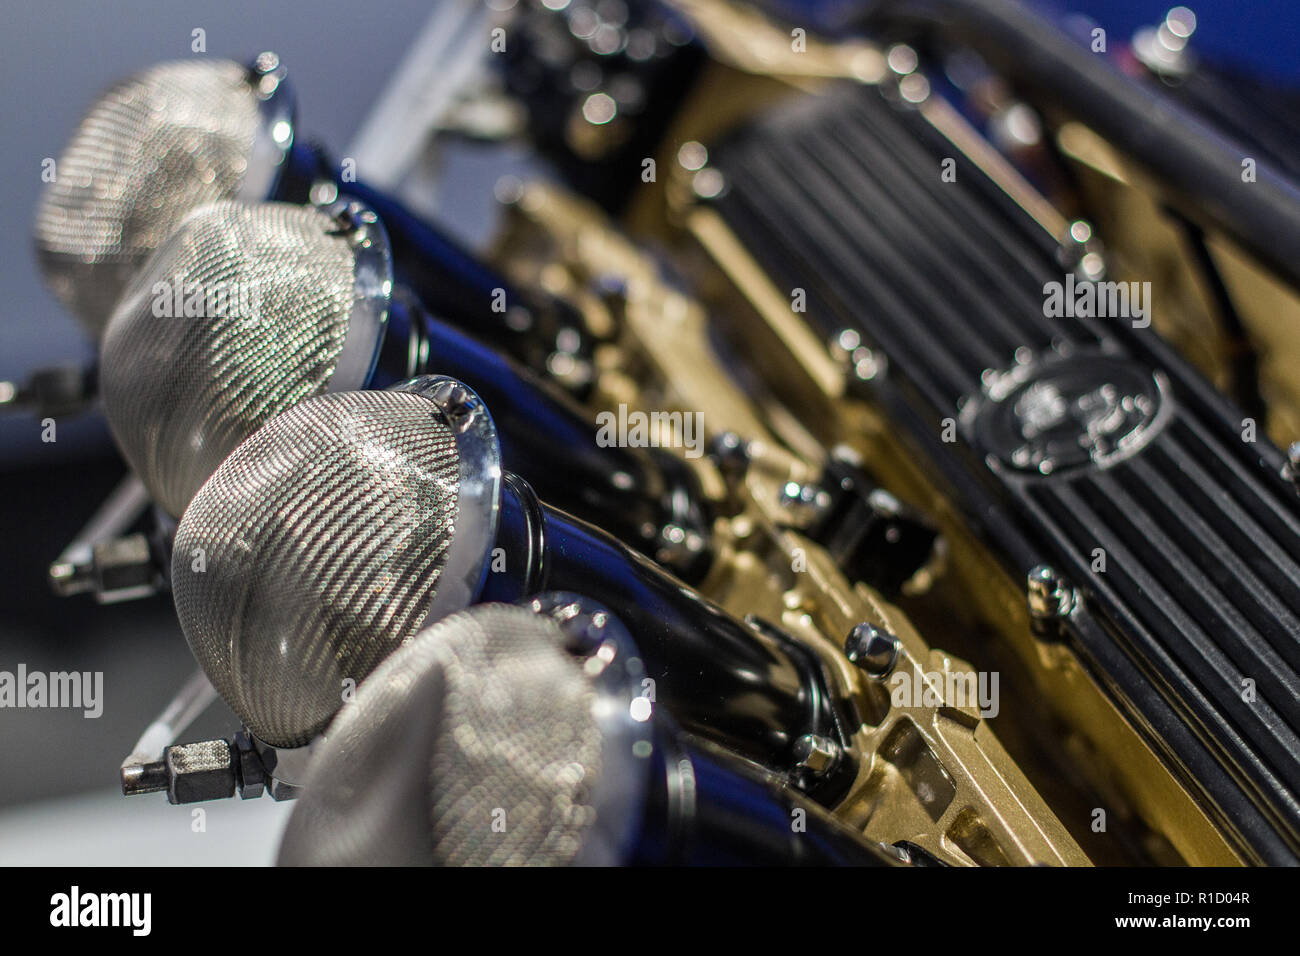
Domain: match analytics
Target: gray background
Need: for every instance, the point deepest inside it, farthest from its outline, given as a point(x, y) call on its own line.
point(55, 57)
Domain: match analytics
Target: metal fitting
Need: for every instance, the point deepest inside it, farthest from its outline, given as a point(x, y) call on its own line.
point(872, 650)
point(1049, 595)
point(118, 568)
point(816, 754)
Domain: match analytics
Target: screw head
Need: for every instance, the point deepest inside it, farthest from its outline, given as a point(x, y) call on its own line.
point(872, 650)
point(804, 502)
point(353, 221)
point(1048, 594)
point(816, 754)
point(1291, 470)
point(457, 402)
point(730, 453)
point(266, 62)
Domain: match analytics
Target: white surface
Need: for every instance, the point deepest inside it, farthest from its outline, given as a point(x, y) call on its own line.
point(108, 829)
point(446, 56)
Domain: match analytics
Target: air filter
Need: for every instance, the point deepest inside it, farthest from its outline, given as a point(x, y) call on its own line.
point(325, 541)
point(485, 741)
point(243, 311)
point(151, 149)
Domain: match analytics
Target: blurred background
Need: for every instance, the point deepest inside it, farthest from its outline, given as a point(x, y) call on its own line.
point(59, 801)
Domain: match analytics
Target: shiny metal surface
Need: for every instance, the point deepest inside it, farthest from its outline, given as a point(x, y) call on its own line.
point(625, 719)
point(478, 489)
point(182, 390)
point(872, 650)
point(273, 138)
point(842, 321)
point(315, 550)
point(372, 289)
point(478, 743)
point(908, 752)
point(151, 149)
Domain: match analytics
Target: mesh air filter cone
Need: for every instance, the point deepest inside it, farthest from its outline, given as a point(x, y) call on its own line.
point(152, 148)
point(476, 744)
point(315, 550)
point(240, 314)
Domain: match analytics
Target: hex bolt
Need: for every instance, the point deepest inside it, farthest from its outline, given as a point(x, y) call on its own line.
point(353, 221)
point(1048, 595)
point(67, 578)
point(872, 650)
point(124, 563)
point(804, 502)
point(251, 777)
point(200, 771)
point(1291, 470)
point(816, 754)
point(457, 403)
point(118, 564)
point(730, 453)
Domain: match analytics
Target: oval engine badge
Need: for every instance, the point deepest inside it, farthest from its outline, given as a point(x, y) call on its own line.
point(1060, 412)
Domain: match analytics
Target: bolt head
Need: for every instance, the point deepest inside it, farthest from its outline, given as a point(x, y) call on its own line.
point(731, 454)
point(804, 502)
point(816, 754)
point(1048, 594)
point(267, 62)
point(872, 650)
point(458, 403)
point(200, 771)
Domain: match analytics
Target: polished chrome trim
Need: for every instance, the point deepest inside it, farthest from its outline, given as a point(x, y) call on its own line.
point(478, 496)
point(372, 289)
point(274, 137)
point(613, 666)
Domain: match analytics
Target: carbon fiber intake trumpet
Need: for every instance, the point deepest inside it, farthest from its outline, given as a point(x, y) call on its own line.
point(338, 530)
point(520, 736)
